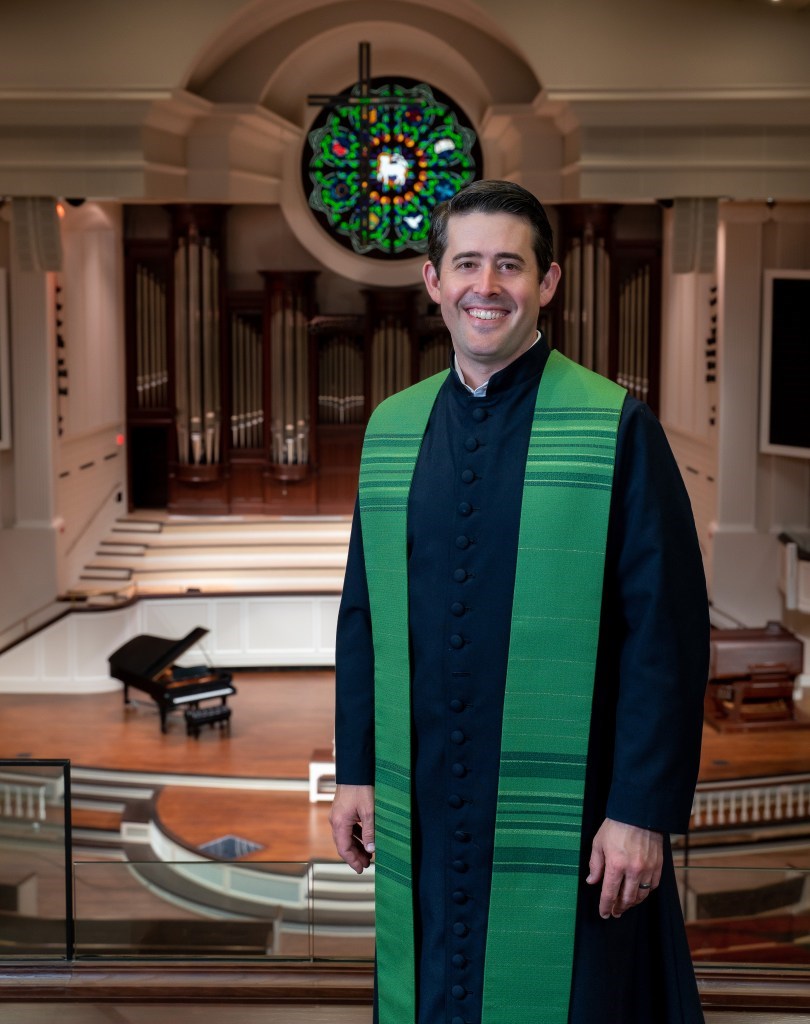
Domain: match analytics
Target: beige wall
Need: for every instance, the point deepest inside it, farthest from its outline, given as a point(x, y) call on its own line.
point(683, 45)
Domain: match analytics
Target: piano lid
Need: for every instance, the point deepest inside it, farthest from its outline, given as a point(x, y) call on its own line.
point(147, 656)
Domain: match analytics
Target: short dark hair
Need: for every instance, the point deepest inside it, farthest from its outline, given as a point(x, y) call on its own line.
point(493, 197)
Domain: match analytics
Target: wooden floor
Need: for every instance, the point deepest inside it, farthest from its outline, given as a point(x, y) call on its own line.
point(279, 718)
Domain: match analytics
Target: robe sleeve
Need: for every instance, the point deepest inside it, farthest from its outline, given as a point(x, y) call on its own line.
point(354, 672)
point(657, 590)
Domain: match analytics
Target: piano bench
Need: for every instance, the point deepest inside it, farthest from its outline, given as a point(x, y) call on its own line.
point(196, 718)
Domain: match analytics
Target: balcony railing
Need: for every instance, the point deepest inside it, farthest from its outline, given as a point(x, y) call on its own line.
point(748, 925)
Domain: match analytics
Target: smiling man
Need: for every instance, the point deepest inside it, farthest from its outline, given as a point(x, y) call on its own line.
point(521, 659)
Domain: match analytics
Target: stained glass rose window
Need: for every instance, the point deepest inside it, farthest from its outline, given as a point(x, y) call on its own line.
point(376, 165)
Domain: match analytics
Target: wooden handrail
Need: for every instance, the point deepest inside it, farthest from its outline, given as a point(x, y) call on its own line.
point(323, 983)
point(192, 982)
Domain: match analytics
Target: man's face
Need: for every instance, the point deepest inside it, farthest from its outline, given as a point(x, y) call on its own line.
point(489, 290)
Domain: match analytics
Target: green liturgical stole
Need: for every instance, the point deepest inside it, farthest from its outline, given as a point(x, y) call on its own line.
point(548, 696)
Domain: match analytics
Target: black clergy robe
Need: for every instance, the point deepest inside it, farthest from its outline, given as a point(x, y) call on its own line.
point(644, 746)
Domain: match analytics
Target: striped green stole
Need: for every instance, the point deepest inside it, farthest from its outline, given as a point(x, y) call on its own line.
point(548, 695)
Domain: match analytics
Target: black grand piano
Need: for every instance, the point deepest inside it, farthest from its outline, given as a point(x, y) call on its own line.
point(146, 662)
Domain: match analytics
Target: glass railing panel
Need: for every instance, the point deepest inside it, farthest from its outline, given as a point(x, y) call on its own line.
point(343, 912)
point(35, 897)
point(193, 909)
point(747, 915)
point(743, 916)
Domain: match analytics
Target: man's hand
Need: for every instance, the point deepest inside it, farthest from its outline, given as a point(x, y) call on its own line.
point(352, 821)
point(627, 860)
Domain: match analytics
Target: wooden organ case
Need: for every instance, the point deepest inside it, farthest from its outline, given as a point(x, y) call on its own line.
point(245, 402)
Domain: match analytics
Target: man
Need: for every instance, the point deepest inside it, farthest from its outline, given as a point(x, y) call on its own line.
point(522, 646)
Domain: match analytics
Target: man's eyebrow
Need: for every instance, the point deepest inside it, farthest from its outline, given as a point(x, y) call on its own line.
point(498, 256)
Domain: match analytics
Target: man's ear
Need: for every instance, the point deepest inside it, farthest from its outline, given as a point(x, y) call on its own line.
point(431, 279)
point(549, 284)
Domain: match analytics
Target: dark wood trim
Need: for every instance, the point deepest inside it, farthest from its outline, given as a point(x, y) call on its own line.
point(328, 982)
point(747, 988)
point(161, 981)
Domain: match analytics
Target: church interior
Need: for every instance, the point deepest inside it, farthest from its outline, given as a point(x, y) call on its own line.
point(212, 226)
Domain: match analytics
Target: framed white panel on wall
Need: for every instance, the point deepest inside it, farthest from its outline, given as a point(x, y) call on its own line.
point(5, 379)
point(784, 424)
point(280, 626)
point(329, 608)
point(228, 627)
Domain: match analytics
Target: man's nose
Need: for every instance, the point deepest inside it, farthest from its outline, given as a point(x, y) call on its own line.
point(488, 282)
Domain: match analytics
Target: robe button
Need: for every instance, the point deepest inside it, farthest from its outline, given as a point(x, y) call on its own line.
point(479, 415)
point(462, 541)
point(459, 960)
point(460, 865)
point(471, 444)
point(460, 929)
point(459, 575)
point(467, 476)
point(456, 641)
point(459, 896)
point(456, 704)
point(457, 736)
point(458, 991)
point(455, 801)
point(465, 508)
point(457, 608)
point(458, 770)
point(462, 837)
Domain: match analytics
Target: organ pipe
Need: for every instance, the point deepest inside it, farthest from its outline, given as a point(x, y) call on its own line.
point(586, 311)
point(289, 379)
point(634, 333)
point(434, 356)
point(247, 411)
point(151, 371)
point(340, 382)
point(197, 385)
point(390, 359)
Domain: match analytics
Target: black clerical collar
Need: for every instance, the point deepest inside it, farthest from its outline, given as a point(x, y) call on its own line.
point(524, 368)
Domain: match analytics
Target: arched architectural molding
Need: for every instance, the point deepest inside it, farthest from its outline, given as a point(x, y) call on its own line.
point(277, 69)
point(245, 59)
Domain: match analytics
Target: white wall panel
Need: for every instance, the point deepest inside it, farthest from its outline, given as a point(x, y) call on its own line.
point(71, 655)
point(59, 650)
point(285, 627)
point(328, 622)
point(228, 626)
point(20, 668)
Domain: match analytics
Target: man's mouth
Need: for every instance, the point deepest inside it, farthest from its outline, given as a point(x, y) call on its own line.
point(487, 314)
